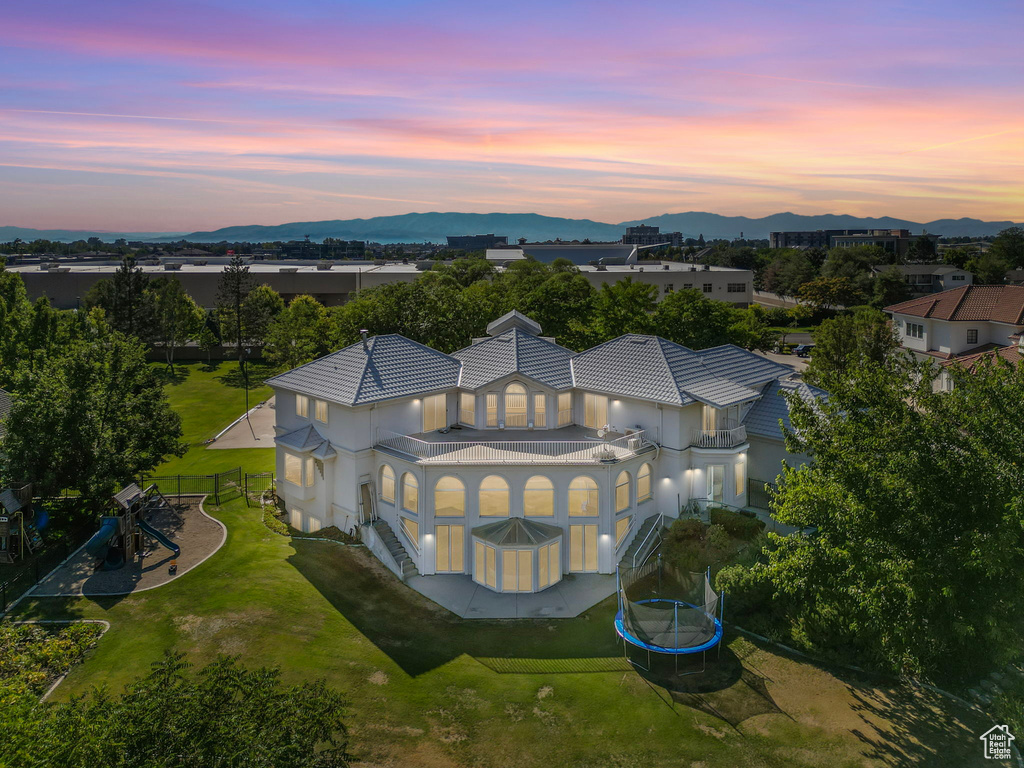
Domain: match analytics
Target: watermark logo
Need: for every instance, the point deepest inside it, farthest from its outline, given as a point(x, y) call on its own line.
point(997, 741)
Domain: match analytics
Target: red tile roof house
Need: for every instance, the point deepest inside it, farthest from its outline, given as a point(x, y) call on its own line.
point(963, 325)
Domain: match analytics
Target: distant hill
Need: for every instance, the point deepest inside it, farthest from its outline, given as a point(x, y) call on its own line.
point(435, 227)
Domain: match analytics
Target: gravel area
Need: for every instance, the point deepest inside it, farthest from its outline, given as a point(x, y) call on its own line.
point(187, 526)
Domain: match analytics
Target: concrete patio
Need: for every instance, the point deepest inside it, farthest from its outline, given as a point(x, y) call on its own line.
point(570, 597)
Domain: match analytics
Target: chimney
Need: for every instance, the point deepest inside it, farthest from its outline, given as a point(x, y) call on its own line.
point(366, 347)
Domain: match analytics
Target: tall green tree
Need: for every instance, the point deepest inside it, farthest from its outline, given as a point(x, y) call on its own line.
point(844, 344)
point(233, 289)
point(825, 293)
point(688, 318)
point(888, 288)
point(298, 334)
point(989, 268)
point(179, 319)
point(126, 300)
point(15, 321)
point(620, 307)
point(916, 563)
point(1009, 246)
point(259, 309)
point(91, 419)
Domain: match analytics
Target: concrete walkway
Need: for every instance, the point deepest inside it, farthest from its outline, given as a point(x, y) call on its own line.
point(570, 597)
point(240, 435)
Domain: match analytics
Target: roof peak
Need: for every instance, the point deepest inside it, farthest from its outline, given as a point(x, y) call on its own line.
point(513, 319)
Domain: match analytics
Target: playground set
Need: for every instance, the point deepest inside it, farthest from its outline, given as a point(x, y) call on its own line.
point(20, 524)
point(119, 538)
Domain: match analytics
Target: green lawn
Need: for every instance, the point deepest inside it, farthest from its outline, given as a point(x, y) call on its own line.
point(426, 688)
point(208, 398)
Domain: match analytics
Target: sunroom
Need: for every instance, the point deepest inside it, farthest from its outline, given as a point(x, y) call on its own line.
point(517, 555)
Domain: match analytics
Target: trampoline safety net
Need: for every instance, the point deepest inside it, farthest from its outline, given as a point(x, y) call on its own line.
point(665, 608)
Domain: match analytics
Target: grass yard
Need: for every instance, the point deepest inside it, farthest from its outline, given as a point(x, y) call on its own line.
point(209, 398)
point(427, 689)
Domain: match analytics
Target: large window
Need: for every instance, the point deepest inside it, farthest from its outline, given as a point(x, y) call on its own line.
point(302, 406)
point(915, 330)
point(549, 564)
point(321, 411)
point(595, 410)
point(435, 412)
point(539, 497)
point(643, 483)
point(622, 492)
point(517, 570)
point(716, 482)
point(412, 531)
point(467, 409)
point(583, 497)
point(387, 484)
point(450, 548)
point(740, 478)
point(515, 405)
point(449, 497)
point(735, 287)
point(564, 408)
point(493, 497)
point(299, 470)
point(621, 529)
point(582, 547)
point(492, 410)
point(410, 493)
point(485, 569)
point(540, 410)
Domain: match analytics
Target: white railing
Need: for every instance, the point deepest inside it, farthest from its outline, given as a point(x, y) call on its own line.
point(642, 552)
point(719, 438)
point(516, 451)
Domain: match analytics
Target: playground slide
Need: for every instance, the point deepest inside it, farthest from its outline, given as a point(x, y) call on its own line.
point(97, 545)
point(159, 537)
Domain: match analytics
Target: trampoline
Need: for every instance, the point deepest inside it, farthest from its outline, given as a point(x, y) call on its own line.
point(663, 611)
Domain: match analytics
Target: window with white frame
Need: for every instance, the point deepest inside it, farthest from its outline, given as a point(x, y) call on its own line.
point(515, 405)
point(595, 410)
point(539, 497)
point(467, 409)
point(740, 476)
point(412, 531)
point(915, 330)
point(972, 335)
point(387, 484)
point(321, 411)
point(564, 408)
point(450, 547)
point(549, 566)
point(435, 412)
point(622, 492)
point(449, 497)
point(493, 497)
point(293, 468)
point(410, 493)
point(539, 410)
point(584, 499)
point(302, 406)
point(492, 409)
point(643, 483)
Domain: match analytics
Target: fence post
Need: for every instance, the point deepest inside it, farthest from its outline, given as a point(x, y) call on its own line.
point(216, 489)
point(3, 596)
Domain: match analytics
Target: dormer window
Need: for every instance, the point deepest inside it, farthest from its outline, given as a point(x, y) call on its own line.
point(515, 405)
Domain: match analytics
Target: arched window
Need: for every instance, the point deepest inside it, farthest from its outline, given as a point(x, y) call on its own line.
point(643, 483)
point(493, 497)
point(410, 493)
point(539, 497)
point(515, 405)
point(449, 497)
point(387, 484)
point(583, 497)
point(622, 492)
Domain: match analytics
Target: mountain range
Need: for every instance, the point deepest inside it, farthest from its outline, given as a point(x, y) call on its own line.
point(434, 227)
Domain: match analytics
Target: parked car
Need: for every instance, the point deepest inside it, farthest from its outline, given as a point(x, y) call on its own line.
point(803, 350)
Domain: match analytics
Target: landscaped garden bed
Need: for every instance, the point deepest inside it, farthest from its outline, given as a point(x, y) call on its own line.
point(33, 656)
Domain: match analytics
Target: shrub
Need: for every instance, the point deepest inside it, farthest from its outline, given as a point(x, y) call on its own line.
point(686, 529)
point(273, 522)
point(737, 525)
point(718, 538)
point(750, 592)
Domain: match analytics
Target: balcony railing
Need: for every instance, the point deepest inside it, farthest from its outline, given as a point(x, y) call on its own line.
point(719, 438)
point(517, 451)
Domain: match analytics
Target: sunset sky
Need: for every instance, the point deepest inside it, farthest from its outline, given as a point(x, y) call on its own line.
point(179, 116)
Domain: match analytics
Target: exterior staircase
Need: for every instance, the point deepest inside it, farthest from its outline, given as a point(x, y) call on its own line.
point(646, 540)
point(396, 549)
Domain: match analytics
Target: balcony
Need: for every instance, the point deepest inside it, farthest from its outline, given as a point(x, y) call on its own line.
point(719, 438)
point(568, 445)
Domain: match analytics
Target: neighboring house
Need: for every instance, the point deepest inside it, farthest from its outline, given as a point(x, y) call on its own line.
point(960, 322)
point(929, 278)
point(5, 409)
point(518, 445)
point(1012, 354)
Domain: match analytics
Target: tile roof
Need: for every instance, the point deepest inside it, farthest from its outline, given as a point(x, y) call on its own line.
point(767, 416)
point(5, 409)
point(1011, 354)
point(391, 366)
point(513, 319)
point(998, 303)
point(307, 440)
point(653, 368)
point(515, 351)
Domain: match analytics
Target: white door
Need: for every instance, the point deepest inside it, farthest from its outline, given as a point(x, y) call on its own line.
point(716, 482)
point(583, 548)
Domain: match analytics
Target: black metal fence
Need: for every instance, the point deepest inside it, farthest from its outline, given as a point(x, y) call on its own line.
point(34, 569)
point(759, 493)
point(221, 486)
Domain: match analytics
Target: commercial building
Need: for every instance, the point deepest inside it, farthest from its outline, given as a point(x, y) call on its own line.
point(476, 242)
point(643, 234)
point(895, 241)
point(929, 278)
point(515, 461)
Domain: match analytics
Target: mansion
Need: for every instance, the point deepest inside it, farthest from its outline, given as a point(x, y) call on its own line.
point(515, 461)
